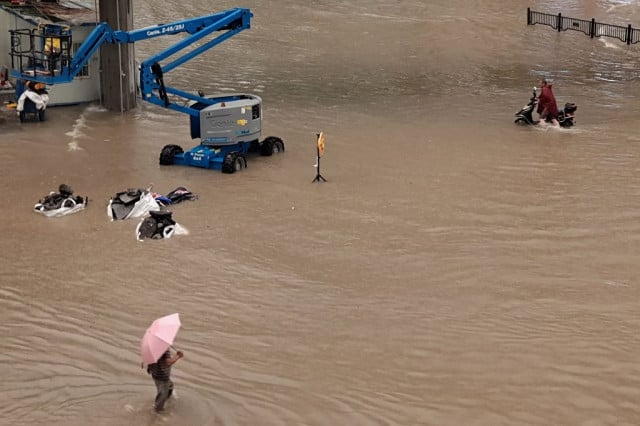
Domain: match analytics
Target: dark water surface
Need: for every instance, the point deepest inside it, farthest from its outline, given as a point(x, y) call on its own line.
point(455, 269)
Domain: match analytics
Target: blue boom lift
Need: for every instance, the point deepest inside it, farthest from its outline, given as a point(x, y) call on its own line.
point(229, 125)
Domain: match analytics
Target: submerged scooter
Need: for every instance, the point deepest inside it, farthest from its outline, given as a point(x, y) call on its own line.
point(60, 203)
point(32, 100)
point(525, 115)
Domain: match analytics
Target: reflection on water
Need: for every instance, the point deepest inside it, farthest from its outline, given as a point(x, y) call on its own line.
point(454, 269)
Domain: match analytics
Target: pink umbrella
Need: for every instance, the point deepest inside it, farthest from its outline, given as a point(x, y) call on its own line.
point(159, 337)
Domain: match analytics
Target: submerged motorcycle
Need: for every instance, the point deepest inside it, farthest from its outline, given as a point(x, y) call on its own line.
point(60, 203)
point(525, 115)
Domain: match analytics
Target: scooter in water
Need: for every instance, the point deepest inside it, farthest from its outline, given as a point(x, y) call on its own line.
point(32, 101)
point(525, 115)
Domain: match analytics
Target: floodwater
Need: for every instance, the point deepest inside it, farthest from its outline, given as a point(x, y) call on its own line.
point(454, 269)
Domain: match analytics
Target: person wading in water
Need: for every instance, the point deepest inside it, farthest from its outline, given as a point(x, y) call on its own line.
point(161, 373)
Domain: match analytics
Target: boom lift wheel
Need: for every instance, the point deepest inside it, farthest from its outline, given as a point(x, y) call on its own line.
point(234, 162)
point(271, 145)
point(168, 154)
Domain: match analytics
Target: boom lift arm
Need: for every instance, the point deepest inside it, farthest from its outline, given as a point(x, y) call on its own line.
point(218, 27)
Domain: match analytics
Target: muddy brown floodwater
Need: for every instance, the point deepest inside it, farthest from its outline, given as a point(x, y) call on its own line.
point(455, 269)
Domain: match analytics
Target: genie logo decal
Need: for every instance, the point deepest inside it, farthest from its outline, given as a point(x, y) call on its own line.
point(167, 29)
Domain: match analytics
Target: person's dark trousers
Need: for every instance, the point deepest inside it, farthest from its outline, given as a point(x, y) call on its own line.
point(165, 389)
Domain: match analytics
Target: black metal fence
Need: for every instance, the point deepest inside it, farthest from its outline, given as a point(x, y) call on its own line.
point(591, 28)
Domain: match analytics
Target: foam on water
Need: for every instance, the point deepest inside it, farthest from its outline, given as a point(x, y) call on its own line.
point(80, 126)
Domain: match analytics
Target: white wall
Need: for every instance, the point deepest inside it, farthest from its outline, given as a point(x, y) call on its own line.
point(5, 21)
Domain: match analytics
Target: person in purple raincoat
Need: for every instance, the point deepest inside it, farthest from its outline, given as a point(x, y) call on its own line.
point(547, 106)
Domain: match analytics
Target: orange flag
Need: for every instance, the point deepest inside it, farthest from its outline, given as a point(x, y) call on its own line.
point(321, 138)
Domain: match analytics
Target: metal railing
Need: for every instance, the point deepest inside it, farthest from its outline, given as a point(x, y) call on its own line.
point(40, 51)
point(591, 28)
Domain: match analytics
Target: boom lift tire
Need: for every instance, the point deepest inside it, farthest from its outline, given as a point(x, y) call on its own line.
point(271, 145)
point(234, 162)
point(168, 154)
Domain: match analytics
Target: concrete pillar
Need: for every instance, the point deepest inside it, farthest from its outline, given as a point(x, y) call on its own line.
point(118, 78)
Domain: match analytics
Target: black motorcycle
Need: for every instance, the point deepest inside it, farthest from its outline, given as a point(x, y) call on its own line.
point(158, 224)
point(525, 115)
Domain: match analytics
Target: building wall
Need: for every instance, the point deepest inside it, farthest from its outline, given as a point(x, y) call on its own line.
point(5, 24)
